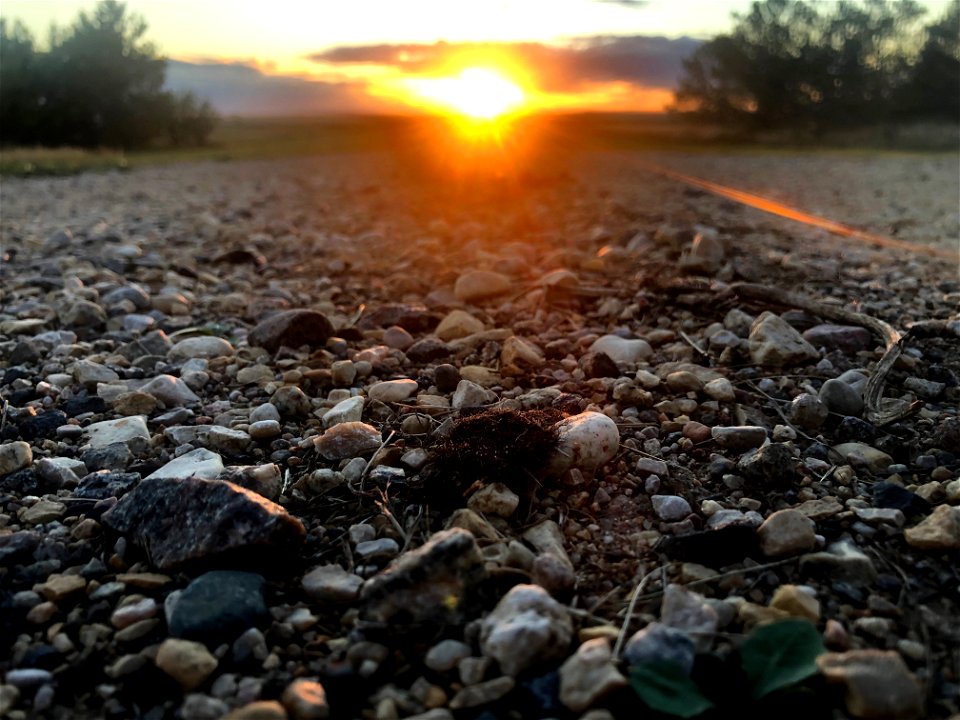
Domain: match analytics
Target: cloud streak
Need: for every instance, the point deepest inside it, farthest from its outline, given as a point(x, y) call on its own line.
point(242, 89)
point(646, 61)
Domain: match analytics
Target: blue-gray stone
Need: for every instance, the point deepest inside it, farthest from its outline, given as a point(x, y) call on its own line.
point(218, 606)
point(658, 643)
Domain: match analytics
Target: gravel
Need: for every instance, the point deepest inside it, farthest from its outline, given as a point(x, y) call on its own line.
point(318, 438)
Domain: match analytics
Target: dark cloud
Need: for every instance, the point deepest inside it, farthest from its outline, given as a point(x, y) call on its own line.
point(241, 89)
point(626, 3)
point(648, 61)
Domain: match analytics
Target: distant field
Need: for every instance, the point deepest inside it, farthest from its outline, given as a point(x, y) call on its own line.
point(248, 139)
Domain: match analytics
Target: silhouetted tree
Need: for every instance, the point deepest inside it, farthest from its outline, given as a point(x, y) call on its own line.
point(100, 83)
point(934, 90)
point(794, 64)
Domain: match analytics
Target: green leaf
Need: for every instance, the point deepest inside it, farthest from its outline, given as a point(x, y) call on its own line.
point(664, 687)
point(780, 654)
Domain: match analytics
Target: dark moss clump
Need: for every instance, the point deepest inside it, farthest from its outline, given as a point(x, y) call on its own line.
point(485, 446)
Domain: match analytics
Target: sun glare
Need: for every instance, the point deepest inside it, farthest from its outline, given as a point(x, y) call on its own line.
point(477, 92)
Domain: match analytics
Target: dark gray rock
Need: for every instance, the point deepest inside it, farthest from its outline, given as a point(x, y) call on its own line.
point(218, 606)
point(17, 546)
point(839, 397)
point(845, 338)
point(772, 464)
point(292, 328)
point(432, 584)
point(413, 318)
point(178, 522)
point(659, 643)
point(115, 456)
point(104, 484)
point(43, 425)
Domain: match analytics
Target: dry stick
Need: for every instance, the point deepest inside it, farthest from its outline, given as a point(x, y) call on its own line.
point(780, 412)
point(621, 638)
point(721, 576)
point(366, 468)
point(878, 411)
point(693, 344)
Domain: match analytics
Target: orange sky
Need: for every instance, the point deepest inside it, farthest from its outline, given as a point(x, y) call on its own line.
point(254, 57)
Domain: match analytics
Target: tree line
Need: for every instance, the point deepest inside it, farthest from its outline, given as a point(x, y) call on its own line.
point(98, 83)
point(817, 66)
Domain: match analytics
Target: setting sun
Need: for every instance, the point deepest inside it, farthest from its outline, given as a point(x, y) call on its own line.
point(479, 93)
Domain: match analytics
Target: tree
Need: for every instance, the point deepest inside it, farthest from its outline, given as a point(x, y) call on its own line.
point(793, 64)
point(19, 93)
point(100, 84)
point(934, 90)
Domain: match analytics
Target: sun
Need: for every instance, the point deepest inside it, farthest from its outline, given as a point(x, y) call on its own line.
point(477, 92)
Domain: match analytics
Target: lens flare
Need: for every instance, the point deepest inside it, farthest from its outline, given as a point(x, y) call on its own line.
point(478, 93)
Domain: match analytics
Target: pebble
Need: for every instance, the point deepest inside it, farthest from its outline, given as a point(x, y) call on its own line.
point(738, 438)
point(720, 389)
point(266, 411)
point(839, 397)
point(254, 375)
point(232, 442)
point(494, 499)
point(586, 441)
point(878, 684)
point(670, 508)
point(291, 401)
point(857, 453)
point(785, 533)
point(171, 391)
point(479, 285)
point(808, 411)
point(796, 602)
point(331, 583)
point(15, 456)
point(91, 373)
point(390, 391)
point(306, 699)
point(218, 606)
point(458, 324)
point(482, 693)
point(347, 440)
point(125, 430)
point(554, 574)
point(264, 430)
point(292, 328)
point(659, 643)
point(526, 629)
point(446, 655)
point(187, 662)
point(775, 343)
point(589, 675)
point(202, 347)
point(200, 463)
point(622, 351)
point(849, 339)
point(469, 394)
point(842, 560)
point(349, 410)
point(689, 612)
point(939, 531)
point(432, 583)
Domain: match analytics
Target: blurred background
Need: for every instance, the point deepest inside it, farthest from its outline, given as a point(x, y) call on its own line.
point(110, 83)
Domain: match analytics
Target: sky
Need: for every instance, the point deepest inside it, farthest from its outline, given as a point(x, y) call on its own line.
point(300, 57)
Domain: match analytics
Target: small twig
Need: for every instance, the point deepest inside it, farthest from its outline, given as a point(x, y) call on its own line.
point(689, 340)
point(827, 474)
point(781, 413)
point(721, 576)
point(622, 637)
point(366, 468)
